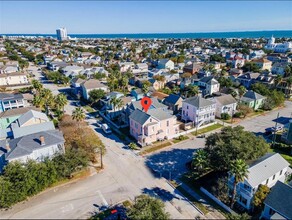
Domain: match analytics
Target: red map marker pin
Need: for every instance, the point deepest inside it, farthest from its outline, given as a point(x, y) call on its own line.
point(146, 103)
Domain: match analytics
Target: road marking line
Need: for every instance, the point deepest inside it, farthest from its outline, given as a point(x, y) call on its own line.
point(102, 198)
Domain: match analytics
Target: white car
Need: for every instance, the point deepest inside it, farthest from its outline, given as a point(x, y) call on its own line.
point(106, 129)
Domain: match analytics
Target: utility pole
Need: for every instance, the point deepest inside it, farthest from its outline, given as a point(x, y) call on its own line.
point(274, 138)
point(101, 162)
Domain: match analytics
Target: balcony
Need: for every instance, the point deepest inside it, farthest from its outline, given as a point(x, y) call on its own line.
point(245, 191)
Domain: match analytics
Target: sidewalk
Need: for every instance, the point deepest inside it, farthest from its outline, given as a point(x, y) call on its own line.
point(213, 213)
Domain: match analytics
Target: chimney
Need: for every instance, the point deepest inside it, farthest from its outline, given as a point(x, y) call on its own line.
point(7, 146)
point(42, 140)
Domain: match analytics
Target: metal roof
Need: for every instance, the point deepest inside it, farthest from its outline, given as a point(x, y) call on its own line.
point(265, 168)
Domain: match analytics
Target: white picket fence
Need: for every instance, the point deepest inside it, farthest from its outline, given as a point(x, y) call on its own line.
point(221, 204)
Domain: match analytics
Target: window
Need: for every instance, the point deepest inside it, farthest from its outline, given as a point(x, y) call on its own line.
point(243, 200)
point(267, 181)
point(167, 123)
point(281, 172)
point(271, 212)
point(7, 120)
point(274, 176)
point(150, 119)
point(187, 107)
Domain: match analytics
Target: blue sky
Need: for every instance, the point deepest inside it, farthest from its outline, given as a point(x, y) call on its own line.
point(106, 17)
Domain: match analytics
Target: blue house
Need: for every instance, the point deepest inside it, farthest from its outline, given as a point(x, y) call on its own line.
point(11, 101)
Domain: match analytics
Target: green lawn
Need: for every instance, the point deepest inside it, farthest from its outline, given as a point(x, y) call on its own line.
point(177, 140)
point(155, 148)
point(190, 179)
point(207, 129)
point(102, 215)
point(88, 108)
point(193, 200)
point(283, 154)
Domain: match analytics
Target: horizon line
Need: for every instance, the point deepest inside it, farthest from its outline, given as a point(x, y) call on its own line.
point(150, 32)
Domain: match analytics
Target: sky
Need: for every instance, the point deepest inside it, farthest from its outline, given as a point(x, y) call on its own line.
point(113, 17)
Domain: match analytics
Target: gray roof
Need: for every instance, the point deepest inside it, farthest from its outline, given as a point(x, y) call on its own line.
point(10, 96)
point(251, 95)
point(265, 167)
point(26, 130)
point(139, 116)
point(27, 144)
point(17, 111)
point(209, 80)
point(280, 199)
point(226, 99)
point(172, 98)
point(27, 116)
point(159, 114)
point(93, 84)
point(154, 105)
point(198, 101)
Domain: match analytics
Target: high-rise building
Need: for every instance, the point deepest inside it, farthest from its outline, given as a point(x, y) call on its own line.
point(62, 34)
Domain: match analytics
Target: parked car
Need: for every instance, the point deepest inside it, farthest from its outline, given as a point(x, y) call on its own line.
point(106, 129)
point(273, 129)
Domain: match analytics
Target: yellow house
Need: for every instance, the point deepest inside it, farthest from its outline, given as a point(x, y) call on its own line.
point(263, 63)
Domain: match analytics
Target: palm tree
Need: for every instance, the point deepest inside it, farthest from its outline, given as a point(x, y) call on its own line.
point(278, 80)
point(192, 90)
point(48, 98)
point(239, 169)
point(200, 160)
point(61, 100)
point(116, 102)
point(38, 101)
point(145, 88)
point(37, 85)
point(78, 115)
point(288, 85)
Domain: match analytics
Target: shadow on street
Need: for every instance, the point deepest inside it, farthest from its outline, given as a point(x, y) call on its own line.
point(169, 164)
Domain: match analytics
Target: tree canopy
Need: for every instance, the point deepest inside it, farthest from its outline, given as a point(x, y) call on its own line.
point(231, 144)
point(146, 207)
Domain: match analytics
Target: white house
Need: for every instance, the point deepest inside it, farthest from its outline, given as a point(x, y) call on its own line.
point(265, 171)
point(13, 79)
point(72, 70)
point(37, 146)
point(225, 104)
point(209, 85)
point(198, 110)
point(126, 66)
point(165, 64)
point(278, 47)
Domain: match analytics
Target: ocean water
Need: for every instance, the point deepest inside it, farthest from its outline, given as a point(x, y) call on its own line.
point(242, 34)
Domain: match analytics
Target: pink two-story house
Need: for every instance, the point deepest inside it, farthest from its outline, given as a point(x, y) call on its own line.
point(152, 126)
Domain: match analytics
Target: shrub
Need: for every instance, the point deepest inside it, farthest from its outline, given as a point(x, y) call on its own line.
point(225, 116)
point(133, 146)
point(237, 115)
point(20, 181)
